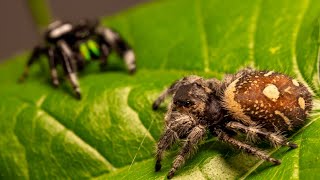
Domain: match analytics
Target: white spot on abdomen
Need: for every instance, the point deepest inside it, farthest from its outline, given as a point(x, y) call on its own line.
point(268, 74)
point(287, 90)
point(285, 118)
point(233, 106)
point(295, 82)
point(302, 103)
point(271, 92)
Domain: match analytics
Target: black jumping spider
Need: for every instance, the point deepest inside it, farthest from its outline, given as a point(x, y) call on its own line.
point(72, 44)
point(262, 104)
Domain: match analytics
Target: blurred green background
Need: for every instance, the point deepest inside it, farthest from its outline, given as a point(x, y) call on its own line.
point(18, 30)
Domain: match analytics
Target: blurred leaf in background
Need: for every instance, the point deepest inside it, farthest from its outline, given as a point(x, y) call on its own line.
point(111, 133)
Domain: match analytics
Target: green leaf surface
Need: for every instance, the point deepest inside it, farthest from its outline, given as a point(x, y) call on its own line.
point(111, 133)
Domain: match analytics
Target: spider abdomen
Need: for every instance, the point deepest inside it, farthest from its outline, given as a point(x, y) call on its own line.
point(268, 99)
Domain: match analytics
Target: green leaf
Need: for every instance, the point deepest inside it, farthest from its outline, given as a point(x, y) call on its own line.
point(40, 12)
point(111, 133)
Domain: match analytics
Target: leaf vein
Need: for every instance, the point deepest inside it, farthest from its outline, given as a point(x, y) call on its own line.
point(14, 132)
point(297, 168)
point(203, 36)
point(295, 32)
point(108, 164)
point(253, 33)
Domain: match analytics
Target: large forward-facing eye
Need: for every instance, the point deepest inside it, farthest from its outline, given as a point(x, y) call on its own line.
point(186, 103)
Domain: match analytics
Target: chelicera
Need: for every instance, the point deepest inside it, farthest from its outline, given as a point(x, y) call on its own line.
point(74, 44)
point(261, 104)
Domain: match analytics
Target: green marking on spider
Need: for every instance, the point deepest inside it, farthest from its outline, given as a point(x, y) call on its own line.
point(85, 51)
point(93, 47)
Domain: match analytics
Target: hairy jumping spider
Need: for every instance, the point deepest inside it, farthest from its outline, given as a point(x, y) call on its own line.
point(72, 44)
point(262, 104)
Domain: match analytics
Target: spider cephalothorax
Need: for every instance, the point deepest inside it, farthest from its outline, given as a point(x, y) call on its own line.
point(262, 104)
point(72, 44)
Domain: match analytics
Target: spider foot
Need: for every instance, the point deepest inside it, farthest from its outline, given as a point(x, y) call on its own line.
point(23, 77)
point(170, 174)
point(78, 93)
point(132, 70)
point(55, 83)
point(155, 106)
point(292, 145)
point(274, 161)
point(157, 166)
point(21, 80)
point(103, 67)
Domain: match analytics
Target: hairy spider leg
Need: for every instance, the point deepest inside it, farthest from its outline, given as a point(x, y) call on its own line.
point(168, 92)
point(274, 138)
point(249, 149)
point(196, 135)
point(178, 126)
point(215, 85)
point(67, 66)
point(105, 51)
point(121, 47)
point(37, 51)
point(167, 139)
point(53, 64)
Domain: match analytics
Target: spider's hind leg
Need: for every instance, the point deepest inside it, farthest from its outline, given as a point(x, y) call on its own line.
point(248, 148)
point(120, 46)
point(105, 51)
point(274, 138)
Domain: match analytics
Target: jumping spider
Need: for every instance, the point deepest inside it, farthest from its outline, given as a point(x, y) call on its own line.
point(72, 44)
point(261, 104)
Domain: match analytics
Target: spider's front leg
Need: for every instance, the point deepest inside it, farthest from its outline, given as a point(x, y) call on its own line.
point(36, 53)
point(167, 139)
point(53, 64)
point(177, 126)
point(110, 37)
point(68, 68)
point(196, 135)
point(172, 89)
point(50, 53)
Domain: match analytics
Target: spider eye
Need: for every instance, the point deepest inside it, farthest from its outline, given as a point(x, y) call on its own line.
point(186, 103)
point(198, 85)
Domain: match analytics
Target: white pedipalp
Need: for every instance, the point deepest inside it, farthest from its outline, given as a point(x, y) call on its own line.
point(60, 30)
